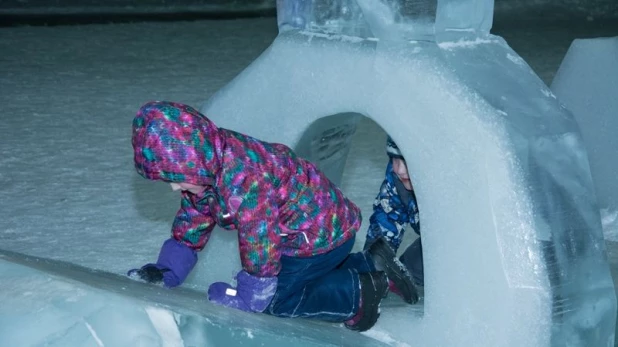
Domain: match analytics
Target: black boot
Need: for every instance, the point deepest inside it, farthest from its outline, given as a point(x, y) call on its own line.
point(385, 259)
point(373, 287)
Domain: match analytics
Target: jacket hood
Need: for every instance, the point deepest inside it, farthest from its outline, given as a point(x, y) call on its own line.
point(173, 142)
point(392, 150)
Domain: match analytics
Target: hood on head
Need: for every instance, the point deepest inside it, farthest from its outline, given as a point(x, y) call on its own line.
point(392, 150)
point(173, 142)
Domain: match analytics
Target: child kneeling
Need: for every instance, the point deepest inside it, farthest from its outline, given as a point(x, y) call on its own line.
point(296, 228)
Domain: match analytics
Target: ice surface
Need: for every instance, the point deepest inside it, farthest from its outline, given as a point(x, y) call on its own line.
point(512, 233)
point(76, 306)
point(587, 84)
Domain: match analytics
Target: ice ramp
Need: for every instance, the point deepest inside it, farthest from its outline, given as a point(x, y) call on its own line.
point(513, 246)
point(53, 303)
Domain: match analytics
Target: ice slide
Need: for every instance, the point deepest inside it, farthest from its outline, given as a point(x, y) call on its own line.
point(58, 304)
point(514, 250)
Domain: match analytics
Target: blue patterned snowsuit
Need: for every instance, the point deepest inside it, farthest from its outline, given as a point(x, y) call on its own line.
point(390, 215)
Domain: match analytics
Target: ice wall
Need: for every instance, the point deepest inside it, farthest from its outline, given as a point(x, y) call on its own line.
point(514, 254)
point(587, 83)
point(387, 19)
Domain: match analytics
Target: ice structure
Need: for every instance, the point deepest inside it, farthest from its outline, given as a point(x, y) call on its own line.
point(587, 83)
point(514, 251)
point(57, 304)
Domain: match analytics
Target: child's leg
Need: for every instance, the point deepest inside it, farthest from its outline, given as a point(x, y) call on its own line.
point(359, 261)
point(314, 288)
point(412, 258)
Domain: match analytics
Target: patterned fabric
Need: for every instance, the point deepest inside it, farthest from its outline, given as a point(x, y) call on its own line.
point(279, 203)
point(391, 214)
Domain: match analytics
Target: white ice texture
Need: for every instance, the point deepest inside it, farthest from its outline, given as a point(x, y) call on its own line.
point(514, 249)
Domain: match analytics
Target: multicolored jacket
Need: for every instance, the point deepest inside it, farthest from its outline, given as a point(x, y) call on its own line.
point(390, 213)
point(279, 203)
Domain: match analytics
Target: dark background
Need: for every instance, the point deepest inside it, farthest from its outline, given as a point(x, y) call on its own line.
point(59, 12)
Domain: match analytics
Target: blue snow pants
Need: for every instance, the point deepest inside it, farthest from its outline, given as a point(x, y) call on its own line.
point(324, 287)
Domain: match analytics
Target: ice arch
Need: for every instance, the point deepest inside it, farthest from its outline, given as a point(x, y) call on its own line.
point(514, 248)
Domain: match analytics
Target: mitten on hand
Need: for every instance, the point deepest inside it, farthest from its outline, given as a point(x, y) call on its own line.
point(175, 262)
point(252, 293)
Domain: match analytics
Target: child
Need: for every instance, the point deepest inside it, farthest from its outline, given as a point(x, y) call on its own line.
point(394, 207)
point(295, 228)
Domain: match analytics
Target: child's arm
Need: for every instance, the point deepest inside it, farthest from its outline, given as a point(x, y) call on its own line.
point(384, 221)
point(177, 257)
point(191, 226)
point(258, 231)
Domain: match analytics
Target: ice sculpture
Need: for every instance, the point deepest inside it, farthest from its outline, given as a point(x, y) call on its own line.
point(75, 306)
point(587, 83)
point(514, 252)
point(401, 19)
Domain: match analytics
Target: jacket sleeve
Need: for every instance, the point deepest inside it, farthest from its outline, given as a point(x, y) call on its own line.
point(192, 227)
point(258, 231)
point(415, 222)
point(384, 220)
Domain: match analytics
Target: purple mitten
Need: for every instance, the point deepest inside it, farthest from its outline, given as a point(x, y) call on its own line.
point(175, 262)
point(252, 294)
point(179, 259)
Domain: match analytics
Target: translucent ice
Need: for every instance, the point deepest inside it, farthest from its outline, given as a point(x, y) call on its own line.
point(57, 304)
point(587, 84)
point(514, 250)
point(401, 19)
